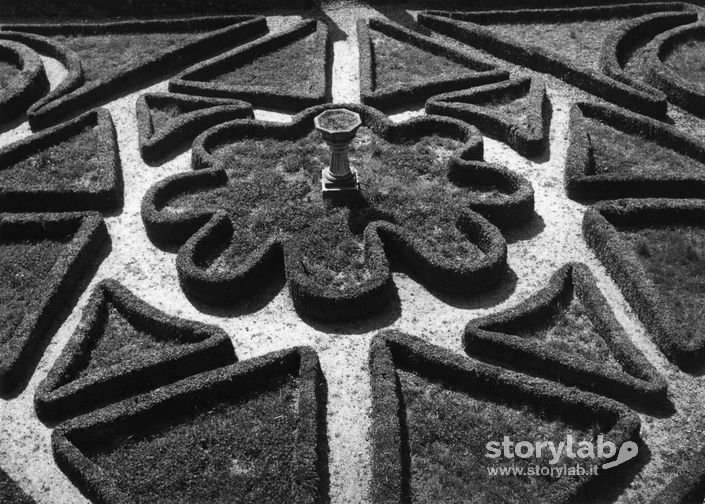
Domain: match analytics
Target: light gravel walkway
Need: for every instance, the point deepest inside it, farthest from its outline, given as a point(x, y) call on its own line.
point(25, 451)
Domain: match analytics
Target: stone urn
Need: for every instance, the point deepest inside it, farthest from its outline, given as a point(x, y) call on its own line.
point(338, 128)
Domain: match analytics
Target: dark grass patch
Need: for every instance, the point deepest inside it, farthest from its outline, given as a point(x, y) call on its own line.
point(42, 257)
point(120, 55)
point(254, 430)
point(258, 190)
point(399, 66)
point(567, 332)
point(676, 65)
point(22, 79)
point(287, 70)
point(574, 27)
point(166, 120)
point(516, 111)
point(623, 55)
point(653, 250)
point(688, 487)
point(10, 492)
point(72, 166)
point(433, 412)
point(123, 346)
point(613, 153)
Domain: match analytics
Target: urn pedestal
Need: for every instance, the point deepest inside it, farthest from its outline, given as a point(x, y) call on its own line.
point(338, 128)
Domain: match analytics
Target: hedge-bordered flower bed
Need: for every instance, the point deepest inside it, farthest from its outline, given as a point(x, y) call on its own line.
point(495, 336)
point(24, 88)
point(384, 97)
point(255, 430)
point(617, 46)
point(467, 28)
point(310, 233)
point(118, 318)
point(683, 92)
point(392, 454)
point(50, 171)
point(78, 96)
point(187, 117)
point(30, 314)
point(600, 227)
point(529, 138)
point(279, 90)
point(583, 182)
point(10, 491)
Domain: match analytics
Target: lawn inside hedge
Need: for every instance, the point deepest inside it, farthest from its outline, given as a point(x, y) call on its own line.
point(617, 152)
point(447, 435)
point(24, 265)
point(674, 260)
point(396, 63)
point(687, 59)
point(274, 191)
point(73, 163)
point(579, 41)
point(571, 331)
point(120, 341)
point(109, 54)
point(241, 447)
point(285, 68)
point(8, 71)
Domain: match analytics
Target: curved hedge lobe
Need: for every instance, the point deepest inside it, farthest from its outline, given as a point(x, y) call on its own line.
point(463, 26)
point(266, 415)
point(402, 93)
point(24, 88)
point(586, 181)
point(69, 59)
point(75, 95)
point(72, 166)
point(616, 47)
point(477, 106)
point(689, 486)
point(222, 76)
point(181, 119)
point(393, 353)
point(43, 257)
point(94, 369)
point(683, 92)
point(600, 228)
point(366, 226)
point(503, 336)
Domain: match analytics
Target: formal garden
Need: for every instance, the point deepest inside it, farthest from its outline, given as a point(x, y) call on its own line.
point(335, 252)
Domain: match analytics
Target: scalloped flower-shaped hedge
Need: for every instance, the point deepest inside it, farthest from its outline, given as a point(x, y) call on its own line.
point(254, 205)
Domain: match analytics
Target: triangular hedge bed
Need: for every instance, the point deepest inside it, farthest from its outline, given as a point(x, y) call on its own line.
point(122, 347)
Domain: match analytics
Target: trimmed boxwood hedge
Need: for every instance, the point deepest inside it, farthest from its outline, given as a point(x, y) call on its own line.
point(173, 404)
point(68, 58)
point(478, 71)
point(461, 26)
point(581, 181)
point(77, 96)
point(10, 492)
point(104, 192)
point(194, 115)
point(529, 138)
point(83, 236)
point(628, 273)
point(392, 350)
point(195, 348)
point(27, 86)
point(493, 336)
point(283, 94)
point(683, 92)
point(616, 48)
point(207, 230)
